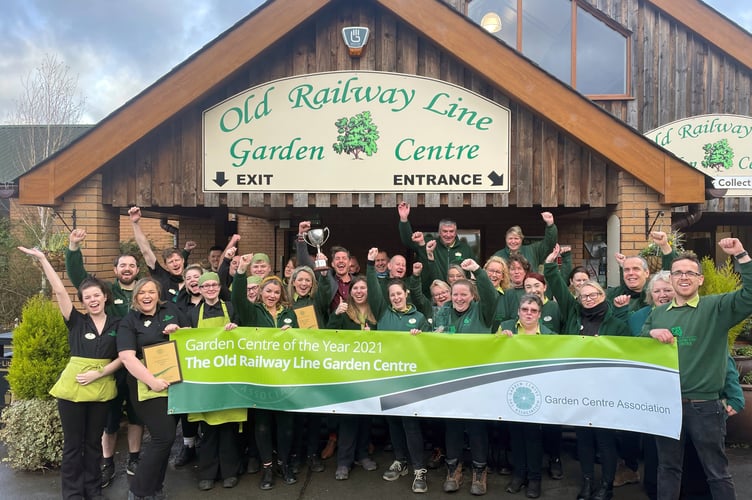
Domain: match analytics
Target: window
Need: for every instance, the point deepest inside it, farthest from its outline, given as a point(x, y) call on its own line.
point(566, 38)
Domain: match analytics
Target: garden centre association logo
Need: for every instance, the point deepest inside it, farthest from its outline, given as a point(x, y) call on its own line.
point(524, 398)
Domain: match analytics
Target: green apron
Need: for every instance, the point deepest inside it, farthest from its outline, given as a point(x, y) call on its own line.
point(219, 416)
point(101, 390)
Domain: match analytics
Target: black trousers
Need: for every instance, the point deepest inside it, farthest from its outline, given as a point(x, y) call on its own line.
point(604, 440)
point(527, 450)
point(354, 434)
point(219, 455)
point(152, 468)
point(82, 448)
point(264, 423)
point(477, 433)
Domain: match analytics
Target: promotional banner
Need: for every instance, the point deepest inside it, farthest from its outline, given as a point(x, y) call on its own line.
point(613, 382)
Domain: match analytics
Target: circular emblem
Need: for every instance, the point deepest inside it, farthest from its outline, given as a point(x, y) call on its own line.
point(547, 318)
point(524, 398)
point(287, 320)
point(412, 321)
point(90, 336)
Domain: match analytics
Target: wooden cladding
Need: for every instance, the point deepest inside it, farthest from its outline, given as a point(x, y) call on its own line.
point(549, 168)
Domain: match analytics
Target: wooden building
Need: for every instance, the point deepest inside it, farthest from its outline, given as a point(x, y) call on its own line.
point(580, 154)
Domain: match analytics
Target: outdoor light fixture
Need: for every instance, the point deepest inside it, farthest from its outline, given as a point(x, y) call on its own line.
point(491, 22)
point(355, 38)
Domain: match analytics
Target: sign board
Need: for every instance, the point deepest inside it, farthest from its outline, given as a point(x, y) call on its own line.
point(717, 145)
point(356, 132)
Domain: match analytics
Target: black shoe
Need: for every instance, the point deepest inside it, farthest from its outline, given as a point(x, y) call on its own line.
point(586, 491)
point(131, 468)
point(267, 478)
point(605, 492)
point(230, 482)
point(288, 475)
point(108, 474)
point(315, 464)
point(555, 469)
point(187, 455)
point(516, 484)
point(294, 463)
point(533, 488)
point(206, 484)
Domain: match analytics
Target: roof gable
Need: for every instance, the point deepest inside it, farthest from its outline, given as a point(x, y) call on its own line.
point(500, 65)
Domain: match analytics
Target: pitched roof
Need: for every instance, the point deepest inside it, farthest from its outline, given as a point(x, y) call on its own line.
point(620, 144)
point(22, 146)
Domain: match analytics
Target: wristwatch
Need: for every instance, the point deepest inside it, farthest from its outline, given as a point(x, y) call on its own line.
point(741, 255)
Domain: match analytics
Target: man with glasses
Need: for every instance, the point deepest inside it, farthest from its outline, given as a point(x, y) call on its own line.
point(699, 326)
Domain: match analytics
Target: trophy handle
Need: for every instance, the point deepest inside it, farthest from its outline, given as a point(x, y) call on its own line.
point(326, 235)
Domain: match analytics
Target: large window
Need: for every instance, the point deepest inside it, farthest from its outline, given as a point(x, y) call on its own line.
point(567, 38)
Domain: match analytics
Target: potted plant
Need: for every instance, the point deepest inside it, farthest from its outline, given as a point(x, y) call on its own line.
point(653, 254)
point(54, 249)
point(742, 355)
point(739, 427)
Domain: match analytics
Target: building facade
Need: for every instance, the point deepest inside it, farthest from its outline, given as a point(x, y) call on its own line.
point(580, 154)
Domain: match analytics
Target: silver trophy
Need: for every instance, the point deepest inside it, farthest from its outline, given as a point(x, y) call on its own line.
point(316, 238)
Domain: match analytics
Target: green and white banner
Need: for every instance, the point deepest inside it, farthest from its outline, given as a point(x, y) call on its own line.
point(613, 382)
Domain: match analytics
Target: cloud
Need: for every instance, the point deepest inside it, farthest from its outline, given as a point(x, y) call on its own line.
point(116, 48)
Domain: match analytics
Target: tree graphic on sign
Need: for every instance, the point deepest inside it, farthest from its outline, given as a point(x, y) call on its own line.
point(357, 135)
point(718, 155)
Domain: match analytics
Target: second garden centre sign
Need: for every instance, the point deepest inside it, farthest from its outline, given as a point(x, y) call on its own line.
point(356, 131)
point(717, 145)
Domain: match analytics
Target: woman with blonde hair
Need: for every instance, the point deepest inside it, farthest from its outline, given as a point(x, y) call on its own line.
point(306, 293)
point(272, 310)
point(149, 322)
point(588, 314)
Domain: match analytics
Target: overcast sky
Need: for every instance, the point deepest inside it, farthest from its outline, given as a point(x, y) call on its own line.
point(118, 48)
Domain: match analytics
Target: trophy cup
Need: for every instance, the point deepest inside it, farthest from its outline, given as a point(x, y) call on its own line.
point(316, 238)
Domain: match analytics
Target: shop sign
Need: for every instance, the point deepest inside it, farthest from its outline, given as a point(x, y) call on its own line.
point(356, 132)
point(717, 145)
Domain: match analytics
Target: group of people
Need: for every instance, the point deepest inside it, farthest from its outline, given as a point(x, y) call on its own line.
point(520, 290)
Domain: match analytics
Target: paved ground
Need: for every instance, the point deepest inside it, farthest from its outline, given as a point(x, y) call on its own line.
point(362, 485)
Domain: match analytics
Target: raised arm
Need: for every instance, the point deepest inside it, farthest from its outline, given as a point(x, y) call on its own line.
point(74, 260)
point(486, 291)
point(63, 299)
point(405, 228)
point(375, 297)
point(134, 213)
point(550, 237)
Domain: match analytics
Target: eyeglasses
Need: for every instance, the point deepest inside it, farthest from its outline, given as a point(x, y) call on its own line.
point(530, 310)
point(688, 274)
point(589, 296)
point(209, 285)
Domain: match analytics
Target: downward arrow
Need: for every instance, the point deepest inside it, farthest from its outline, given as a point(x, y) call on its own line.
point(496, 179)
point(220, 179)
